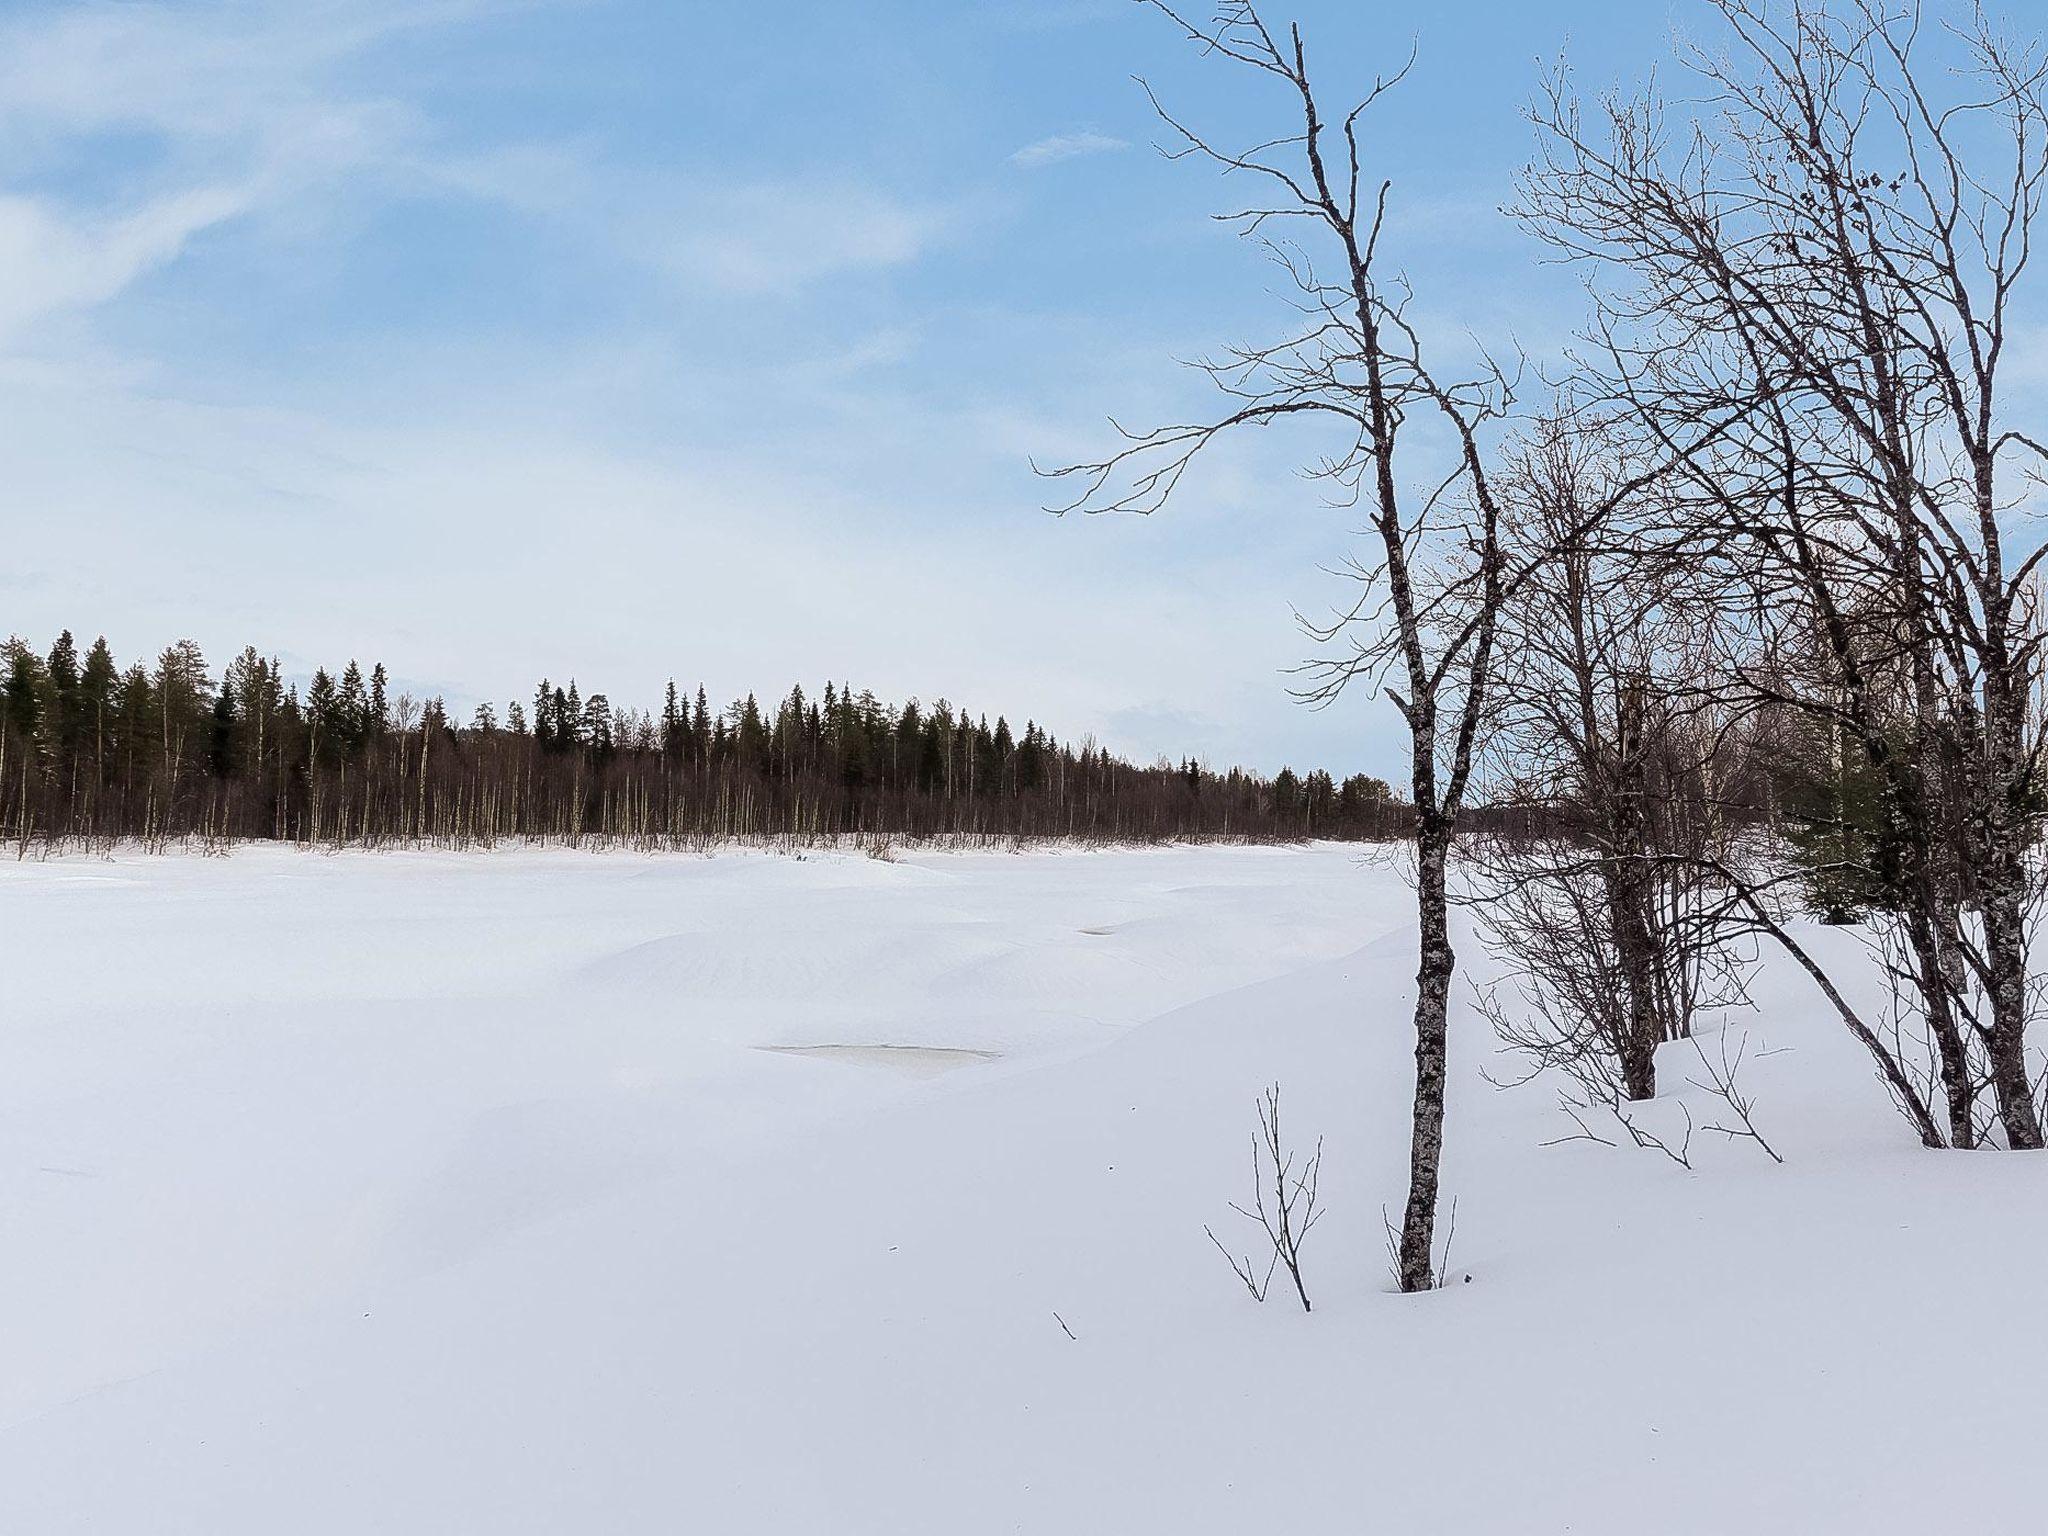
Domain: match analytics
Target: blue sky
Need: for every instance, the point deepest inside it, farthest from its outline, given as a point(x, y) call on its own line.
point(632, 339)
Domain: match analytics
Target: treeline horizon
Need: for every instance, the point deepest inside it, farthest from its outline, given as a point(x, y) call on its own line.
point(170, 752)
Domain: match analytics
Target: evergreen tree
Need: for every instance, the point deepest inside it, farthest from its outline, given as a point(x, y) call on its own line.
point(1844, 829)
point(596, 728)
point(351, 712)
point(65, 711)
point(544, 716)
point(97, 683)
point(675, 729)
point(1319, 794)
point(378, 720)
point(24, 693)
point(751, 741)
point(135, 710)
point(1286, 795)
point(320, 722)
point(220, 742)
point(1030, 757)
point(183, 690)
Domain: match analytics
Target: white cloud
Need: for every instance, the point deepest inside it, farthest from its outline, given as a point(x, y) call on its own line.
point(208, 79)
point(1065, 146)
point(778, 238)
point(238, 109)
point(51, 263)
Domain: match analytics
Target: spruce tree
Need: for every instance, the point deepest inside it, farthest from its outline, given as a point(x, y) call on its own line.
point(352, 711)
point(220, 743)
point(65, 718)
point(674, 729)
point(24, 693)
point(544, 717)
point(320, 724)
point(96, 685)
point(1286, 794)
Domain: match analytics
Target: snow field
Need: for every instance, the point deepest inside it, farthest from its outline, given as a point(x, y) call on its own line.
point(542, 1192)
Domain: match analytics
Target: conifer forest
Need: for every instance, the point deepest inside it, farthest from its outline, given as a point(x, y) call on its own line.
point(93, 751)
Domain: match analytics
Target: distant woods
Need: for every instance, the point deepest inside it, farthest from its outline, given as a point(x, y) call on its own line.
point(92, 751)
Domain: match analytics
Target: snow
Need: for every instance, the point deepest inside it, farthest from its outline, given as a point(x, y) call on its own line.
point(542, 1192)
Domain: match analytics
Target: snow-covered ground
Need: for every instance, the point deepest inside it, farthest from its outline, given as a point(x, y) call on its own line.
point(545, 1192)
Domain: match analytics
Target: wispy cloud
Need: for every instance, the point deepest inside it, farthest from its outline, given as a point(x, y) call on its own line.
point(51, 263)
point(233, 109)
point(770, 238)
point(204, 80)
point(1065, 146)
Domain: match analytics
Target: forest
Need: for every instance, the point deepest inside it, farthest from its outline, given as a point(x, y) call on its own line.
point(92, 752)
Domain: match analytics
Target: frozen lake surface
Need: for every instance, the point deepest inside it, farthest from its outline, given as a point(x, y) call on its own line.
point(546, 1192)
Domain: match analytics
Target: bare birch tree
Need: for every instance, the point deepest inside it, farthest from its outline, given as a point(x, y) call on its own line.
point(1424, 624)
point(1614, 775)
point(1823, 252)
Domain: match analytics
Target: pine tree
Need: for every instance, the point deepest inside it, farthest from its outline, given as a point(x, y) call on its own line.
point(220, 743)
point(135, 708)
point(24, 693)
point(96, 686)
point(65, 716)
point(1030, 752)
point(320, 722)
point(544, 716)
point(183, 688)
point(351, 711)
point(675, 730)
point(1286, 795)
point(595, 729)
point(751, 741)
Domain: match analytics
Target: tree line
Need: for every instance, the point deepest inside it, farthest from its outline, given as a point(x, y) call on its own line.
point(92, 751)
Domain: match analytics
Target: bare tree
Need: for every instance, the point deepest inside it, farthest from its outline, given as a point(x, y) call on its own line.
point(1723, 1071)
point(1822, 255)
point(1292, 1213)
point(1614, 780)
point(1425, 622)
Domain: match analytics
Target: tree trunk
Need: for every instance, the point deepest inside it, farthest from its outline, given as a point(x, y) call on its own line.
point(1432, 1007)
point(2005, 949)
point(1635, 951)
point(1959, 1091)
